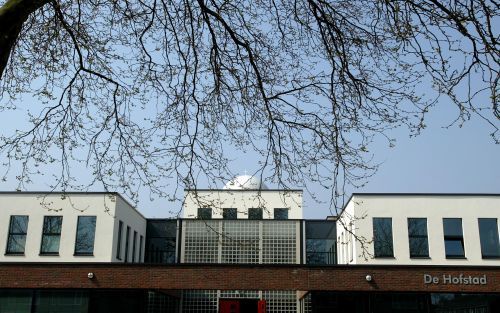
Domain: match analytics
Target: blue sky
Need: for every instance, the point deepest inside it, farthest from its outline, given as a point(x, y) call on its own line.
point(454, 160)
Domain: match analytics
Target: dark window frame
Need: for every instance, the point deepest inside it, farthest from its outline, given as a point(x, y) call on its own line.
point(375, 231)
point(46, 217)
point(454, 238)
point(76, 253)
point(256, 219)
point(418, 237)
point(134, 240)
point(119, 241)
point(282, 210)
point(10, 233)
point(201, 214)
point(481, 241)
point(225, 216)
point(141, 242)
point(127, 239)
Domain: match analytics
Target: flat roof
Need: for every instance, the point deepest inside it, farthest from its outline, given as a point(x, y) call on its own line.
point(410, 194)
point(114, 193)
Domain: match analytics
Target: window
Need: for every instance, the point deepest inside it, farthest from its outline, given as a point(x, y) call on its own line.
point(280, 214)
point(127, 235)
point(417, 236)
point(141, 239)
point(453, 238)
point(321, 242)
point(161, 238)
point(205, 213)
point(18, 228)
point(85, 235)
point(255, 214)
point(229, 213)
point(382, 236)
point(133, 246)
point(119, 242)
point(488, 233)
point(51, 235)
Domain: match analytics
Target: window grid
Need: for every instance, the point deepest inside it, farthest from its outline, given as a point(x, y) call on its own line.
point(201, 242)
point(240, 242)
point(279, 243)
point(280, 301)
point(239, 294)
point(199, 301)
point(51, 235)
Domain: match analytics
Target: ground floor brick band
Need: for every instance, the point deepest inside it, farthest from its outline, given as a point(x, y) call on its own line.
point(251, 277)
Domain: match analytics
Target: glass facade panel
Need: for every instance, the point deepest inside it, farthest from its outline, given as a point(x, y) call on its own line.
point(417, 236)
point(15, 301)
point(321, 242)
point(18, 229)
point(488, 233)
point(280, 214)
point(453, 238)
point(382, 236)
point(229, 213)
point(161, 238)
point(51, 234)
point(49, 301)
point(279, 242)
point(85, 235)
point(240, 242)
point(205, 213)
point(255, 213)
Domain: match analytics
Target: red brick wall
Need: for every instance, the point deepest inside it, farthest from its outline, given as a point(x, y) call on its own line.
point(259, 277)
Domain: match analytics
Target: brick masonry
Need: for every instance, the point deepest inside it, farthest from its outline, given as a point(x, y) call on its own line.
point(245, 277)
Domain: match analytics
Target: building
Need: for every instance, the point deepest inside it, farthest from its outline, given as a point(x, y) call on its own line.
point(70, 227)
point(246, 248)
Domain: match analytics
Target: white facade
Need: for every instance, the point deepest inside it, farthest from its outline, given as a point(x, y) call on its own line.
point(355, 234)
point(107, 208)
point(243, 193)
point(242, 200)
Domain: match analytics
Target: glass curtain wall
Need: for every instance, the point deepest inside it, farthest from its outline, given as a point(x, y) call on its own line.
point(321, 242)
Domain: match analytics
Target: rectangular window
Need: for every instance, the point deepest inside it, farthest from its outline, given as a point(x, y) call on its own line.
point(141, 239)
point(127, 235)
point(488, 233)
point(229, 213)
point(205, 213)
point(254, 213)
point(453, 238)
point(18, 229)
point(417, 236)
point(119, 241)
point(134, 239)
point(382, 236)
point(280, 214)
point(51, 234)
point(85, 235)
